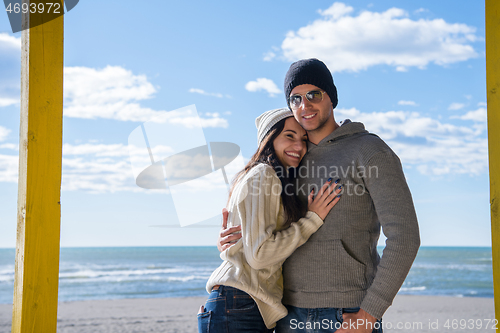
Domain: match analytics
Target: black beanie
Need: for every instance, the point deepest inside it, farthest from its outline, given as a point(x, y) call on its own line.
point(310, 71)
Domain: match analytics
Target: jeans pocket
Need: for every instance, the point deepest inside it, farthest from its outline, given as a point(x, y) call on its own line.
point(242, 303)
point(341, 311)
point(204, 321)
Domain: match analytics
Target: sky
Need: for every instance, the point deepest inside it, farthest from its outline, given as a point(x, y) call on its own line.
point(412, 71)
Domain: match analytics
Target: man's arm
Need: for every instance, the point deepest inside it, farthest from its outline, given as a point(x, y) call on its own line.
point(227, 236)
point(395, 211)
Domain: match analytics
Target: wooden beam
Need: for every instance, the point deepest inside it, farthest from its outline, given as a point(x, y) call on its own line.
point(493, 97)
point(40, 158)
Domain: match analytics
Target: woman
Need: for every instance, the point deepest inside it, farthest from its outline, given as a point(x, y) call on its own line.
point(246, 289)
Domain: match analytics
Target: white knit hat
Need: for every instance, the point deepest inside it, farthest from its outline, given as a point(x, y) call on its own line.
point(268, 119)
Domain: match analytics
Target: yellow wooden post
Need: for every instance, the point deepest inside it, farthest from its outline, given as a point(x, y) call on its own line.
point(40, 158)
point(493, 96)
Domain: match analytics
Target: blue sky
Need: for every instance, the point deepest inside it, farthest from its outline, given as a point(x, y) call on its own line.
point(412, 72)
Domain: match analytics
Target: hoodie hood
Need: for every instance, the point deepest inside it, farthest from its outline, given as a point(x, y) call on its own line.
point(347, 128)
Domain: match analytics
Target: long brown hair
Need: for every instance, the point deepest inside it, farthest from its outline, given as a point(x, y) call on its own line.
point(294, 208)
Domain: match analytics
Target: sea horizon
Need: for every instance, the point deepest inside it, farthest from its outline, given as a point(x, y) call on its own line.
point(117, 272)
point(140, 246)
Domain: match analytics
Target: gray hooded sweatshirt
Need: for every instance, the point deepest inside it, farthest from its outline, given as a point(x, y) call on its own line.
point(339, 266)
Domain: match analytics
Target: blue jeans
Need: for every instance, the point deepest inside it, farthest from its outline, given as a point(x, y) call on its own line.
point(316, 320)
point(230, 310)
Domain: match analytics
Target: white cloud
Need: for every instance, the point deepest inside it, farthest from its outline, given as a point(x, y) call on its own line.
point(482, 104)
point(6, 101)
point(352, 43)
point(4, 132)
point(203, 92)
point(420, 10)
point(11, 146)
point(99, 168)
point(268, 56)
point(10, 69)
point(9, 165)
point(272, 54)
point(97, 175)
point(109, 93)
point(95, 168)
point(336, 11)
point(111, 84)
point(190, 122)
point(263, 84)
point(114, 93)
point(410, 103)
point(456, 106)
point(107, 150)
point(103, 168)
point(9, 43)
point(189, 119)
point(479, 115)
point(427, 144)
point(215, 117)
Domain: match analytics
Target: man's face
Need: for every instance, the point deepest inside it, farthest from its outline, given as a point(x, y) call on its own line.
point(313, 117)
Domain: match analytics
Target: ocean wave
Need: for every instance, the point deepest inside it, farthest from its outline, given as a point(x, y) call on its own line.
point(134, 275)
point(460, 267)
point(134, 279)
point(117, 273)
point(122, 274)
point(88, 273)
point(5, 269)
point(188, 278)
point(420, 288)
point(7, 273)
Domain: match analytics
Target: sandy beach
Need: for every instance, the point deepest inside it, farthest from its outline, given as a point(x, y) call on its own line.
point(178, 315)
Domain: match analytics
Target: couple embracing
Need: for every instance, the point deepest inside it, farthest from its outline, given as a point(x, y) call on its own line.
point(310, 205)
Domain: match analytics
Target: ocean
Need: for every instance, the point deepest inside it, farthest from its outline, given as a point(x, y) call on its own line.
point(145, 272)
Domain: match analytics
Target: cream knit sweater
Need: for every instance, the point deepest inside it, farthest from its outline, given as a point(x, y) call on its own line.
point(253, 264)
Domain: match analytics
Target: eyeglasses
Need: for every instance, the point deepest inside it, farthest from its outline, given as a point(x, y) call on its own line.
point(313, 96)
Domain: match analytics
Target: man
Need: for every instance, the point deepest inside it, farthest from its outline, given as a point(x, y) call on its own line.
point(337, 282)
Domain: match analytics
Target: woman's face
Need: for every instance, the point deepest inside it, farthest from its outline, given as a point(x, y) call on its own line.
point(290, 145)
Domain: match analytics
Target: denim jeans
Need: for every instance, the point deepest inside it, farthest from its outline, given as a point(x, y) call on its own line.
point(230, 310)
point(316, 320)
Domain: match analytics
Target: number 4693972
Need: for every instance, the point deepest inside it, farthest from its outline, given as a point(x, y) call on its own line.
point(48, 7)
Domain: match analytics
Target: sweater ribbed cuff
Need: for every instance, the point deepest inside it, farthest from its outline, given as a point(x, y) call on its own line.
point(375, 305)
point(313, 217)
